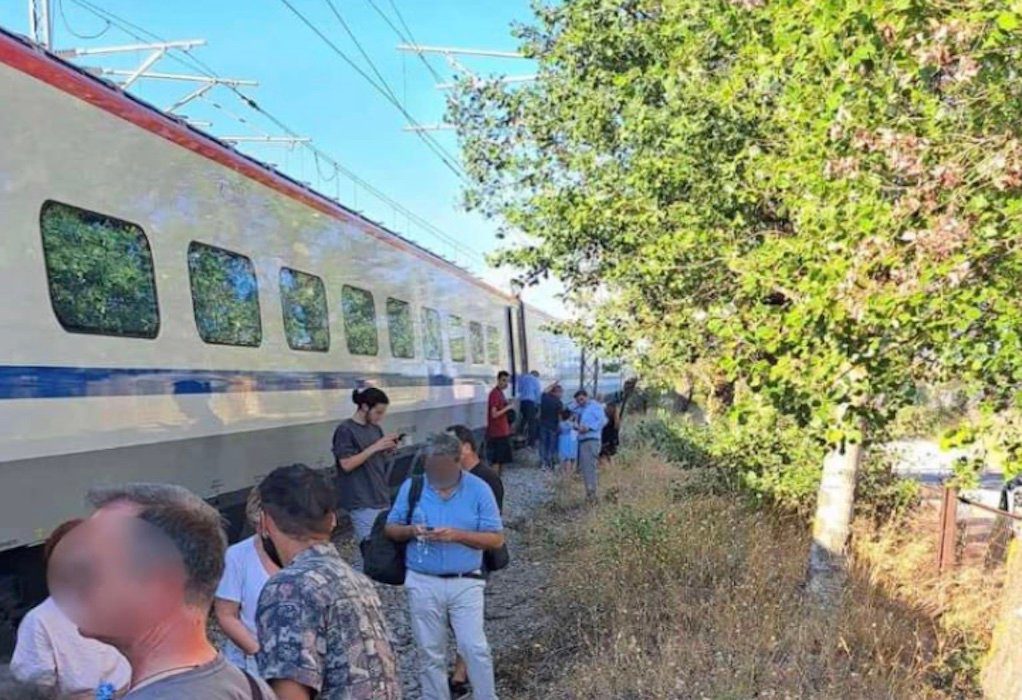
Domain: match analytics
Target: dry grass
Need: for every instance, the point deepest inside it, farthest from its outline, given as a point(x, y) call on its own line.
point(670, 589)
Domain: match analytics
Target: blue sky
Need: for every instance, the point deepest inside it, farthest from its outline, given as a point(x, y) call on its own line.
point(307, 86)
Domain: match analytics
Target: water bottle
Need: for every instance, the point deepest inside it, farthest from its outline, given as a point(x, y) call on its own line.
point(421, 545)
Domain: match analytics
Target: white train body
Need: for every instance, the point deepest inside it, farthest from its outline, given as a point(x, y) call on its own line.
point(79, 409)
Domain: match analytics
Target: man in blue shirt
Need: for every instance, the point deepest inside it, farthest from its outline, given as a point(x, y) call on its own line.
point(529, 390)
point(455, 520)
point(592, 416)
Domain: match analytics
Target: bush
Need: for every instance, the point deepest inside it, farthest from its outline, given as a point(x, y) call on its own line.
point(770, 460)
point(678, 589)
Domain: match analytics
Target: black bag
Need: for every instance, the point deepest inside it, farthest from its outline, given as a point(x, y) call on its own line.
point(496, 559)
point(383, 559)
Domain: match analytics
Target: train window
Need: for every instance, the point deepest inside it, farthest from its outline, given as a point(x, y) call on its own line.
point(475, 334)
point(492, 345)
point(401, 328)
point(306, 319)
point(456, 337)
point(359, 311)
point(225, 296)
point(432, 339)
point(100, 273)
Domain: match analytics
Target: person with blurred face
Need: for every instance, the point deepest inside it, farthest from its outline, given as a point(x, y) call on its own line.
point(498, 427)
point(320, 624)
point(140, 575)
point(51, 653)
point(591, 418)
point(362, 451)
point(247, 568)
point(454, 521)
point(469, 460)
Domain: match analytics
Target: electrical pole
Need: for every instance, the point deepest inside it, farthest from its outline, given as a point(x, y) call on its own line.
point(40, 23)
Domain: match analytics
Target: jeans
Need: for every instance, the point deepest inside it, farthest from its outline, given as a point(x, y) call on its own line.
point(362, 520)
point(530, 423)
point(432, 601)
point(588, 457)
point(548, 446)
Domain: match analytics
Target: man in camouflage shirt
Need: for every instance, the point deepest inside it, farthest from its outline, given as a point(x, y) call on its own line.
point(320, 624)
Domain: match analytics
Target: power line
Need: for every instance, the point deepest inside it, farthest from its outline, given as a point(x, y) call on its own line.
point(365, 55)
point(430, 142)
point(70, 29)
point(195, 63)
point(407, 38)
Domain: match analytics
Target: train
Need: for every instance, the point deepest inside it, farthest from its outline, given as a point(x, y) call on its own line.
point(180, 312)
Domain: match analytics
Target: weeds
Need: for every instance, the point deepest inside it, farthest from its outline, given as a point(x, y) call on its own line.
point(681, 588)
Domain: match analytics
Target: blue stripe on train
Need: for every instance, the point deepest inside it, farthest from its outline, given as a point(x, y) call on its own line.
point(42, 382)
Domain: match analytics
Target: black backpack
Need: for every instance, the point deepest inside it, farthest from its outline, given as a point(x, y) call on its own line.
point(383, 558)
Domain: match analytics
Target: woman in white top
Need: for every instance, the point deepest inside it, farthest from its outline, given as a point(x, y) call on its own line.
point(50, 651)
point(247, 569)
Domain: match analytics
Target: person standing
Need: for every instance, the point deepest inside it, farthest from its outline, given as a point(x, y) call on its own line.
point(140, 574)
point(50, 652)
point(472, 464)
point(498, 427)
point(567, 441)
point(247, 568)
point(610, 437)
point(362, 451)
point(591, 419)
point(550, 407)
point(454, 521)
point(320, 624)
point(529, 390)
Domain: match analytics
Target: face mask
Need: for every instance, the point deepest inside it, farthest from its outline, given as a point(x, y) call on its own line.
point(271, 551)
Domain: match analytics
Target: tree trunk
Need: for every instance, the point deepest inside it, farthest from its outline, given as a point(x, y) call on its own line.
point(1002, 672)
point(832, 524)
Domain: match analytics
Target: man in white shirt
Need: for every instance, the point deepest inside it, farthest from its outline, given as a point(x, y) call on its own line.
point(50, 652)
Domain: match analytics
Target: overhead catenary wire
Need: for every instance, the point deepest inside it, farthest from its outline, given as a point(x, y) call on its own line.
point(193, 62)
point(407, 38)
point(71, 30)
point(426, 138)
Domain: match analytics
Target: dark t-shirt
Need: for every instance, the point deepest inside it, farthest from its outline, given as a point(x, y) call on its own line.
point(497, 427)
point(217, 680)
point(550, 411)
point(366, 486)
point(492, 480)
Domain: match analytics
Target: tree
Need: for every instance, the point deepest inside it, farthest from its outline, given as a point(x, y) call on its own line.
point(820, 200)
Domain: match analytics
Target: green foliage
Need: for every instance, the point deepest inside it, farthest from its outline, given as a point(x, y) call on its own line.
point(359, 311)
point(456, 337)
point(306, 321)
point(475, 332)
point(432, 337)
point(401, 328)
point(100, 272)
point(225, 296)
point(493, 345)
point(820, 200)
point(770, 460)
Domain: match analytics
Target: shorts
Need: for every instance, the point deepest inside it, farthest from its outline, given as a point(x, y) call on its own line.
point(498, 450)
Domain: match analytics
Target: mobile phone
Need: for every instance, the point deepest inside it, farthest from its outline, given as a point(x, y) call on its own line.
point(401, 436)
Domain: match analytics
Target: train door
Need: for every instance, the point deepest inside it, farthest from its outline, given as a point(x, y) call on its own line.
point(512, 346)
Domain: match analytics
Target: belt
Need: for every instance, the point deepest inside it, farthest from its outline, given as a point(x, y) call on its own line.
point(470, 574)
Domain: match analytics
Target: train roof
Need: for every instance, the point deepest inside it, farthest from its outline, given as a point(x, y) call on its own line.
point(28, 57)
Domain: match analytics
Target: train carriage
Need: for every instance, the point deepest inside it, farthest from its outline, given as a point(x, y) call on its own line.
point(176, 311)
